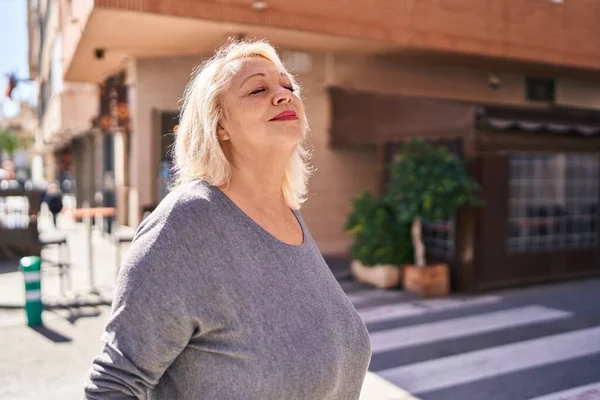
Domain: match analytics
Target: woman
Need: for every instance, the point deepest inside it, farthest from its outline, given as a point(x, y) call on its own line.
point(224, 294)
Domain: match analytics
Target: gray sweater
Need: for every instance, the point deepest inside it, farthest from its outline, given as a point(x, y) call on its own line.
point(209, 305)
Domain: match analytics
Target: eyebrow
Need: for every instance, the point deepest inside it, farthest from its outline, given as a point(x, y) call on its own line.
point(262, 74)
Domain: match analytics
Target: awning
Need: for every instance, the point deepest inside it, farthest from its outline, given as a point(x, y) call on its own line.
point(359, 117)
point(560, 121)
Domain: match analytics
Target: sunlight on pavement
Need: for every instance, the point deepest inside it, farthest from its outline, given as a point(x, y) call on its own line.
point(377, 388)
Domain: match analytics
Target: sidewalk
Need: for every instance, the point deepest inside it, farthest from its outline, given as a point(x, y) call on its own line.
point(12, 292)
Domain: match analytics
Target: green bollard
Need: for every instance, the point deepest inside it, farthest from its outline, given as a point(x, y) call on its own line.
point(31, 267)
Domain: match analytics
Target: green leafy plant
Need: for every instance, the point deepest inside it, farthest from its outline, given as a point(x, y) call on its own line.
point(428, 183)
point(378, 237)
point(11, 141)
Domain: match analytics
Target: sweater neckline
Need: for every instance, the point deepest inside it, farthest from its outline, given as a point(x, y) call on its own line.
point(256, 226)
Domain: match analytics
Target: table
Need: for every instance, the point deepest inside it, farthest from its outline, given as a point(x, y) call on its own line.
point(87, 214)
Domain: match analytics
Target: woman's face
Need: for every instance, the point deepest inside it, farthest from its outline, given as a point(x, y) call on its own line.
point(261, 109)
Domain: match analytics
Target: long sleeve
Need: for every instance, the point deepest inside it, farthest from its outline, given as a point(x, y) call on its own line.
point(209, 305)
point(149, 324)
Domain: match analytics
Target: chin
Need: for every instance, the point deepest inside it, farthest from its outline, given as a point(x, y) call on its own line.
point(291, 135)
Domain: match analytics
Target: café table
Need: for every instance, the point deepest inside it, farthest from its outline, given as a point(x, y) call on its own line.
point(86, 215)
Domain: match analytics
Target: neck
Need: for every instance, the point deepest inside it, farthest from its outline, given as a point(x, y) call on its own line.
point(258, 180)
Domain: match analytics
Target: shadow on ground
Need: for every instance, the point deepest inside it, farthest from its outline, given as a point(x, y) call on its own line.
point(51, 334)
point(9, 265)
point(72, 314)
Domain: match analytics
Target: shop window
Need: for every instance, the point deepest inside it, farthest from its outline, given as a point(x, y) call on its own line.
point(553, 202)
point(439, 238)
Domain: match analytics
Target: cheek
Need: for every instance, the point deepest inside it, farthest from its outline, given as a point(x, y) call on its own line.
point(250, 107)
point(298, 103)
point(237, 114)
point(300, 108)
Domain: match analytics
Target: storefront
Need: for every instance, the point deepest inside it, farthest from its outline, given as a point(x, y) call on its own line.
point(111, 142)
point(539, 169)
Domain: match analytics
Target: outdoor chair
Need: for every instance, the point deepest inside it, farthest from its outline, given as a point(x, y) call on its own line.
point(63, 263)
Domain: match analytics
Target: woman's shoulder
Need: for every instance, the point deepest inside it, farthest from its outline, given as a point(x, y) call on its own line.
point(197, 194)
point(189, 207)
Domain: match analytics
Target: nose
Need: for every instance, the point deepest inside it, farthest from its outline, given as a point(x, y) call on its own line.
point(283, 96)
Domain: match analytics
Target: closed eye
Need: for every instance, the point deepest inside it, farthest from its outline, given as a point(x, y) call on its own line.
point(257, 91)
point(290, 88)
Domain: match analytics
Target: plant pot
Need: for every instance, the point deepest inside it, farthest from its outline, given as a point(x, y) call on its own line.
point(381, 276)
point(429, 281)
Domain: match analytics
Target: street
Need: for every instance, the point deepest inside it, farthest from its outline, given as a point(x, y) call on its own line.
point(515, 344)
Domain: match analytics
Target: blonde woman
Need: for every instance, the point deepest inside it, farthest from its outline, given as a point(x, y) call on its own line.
point(224, 294)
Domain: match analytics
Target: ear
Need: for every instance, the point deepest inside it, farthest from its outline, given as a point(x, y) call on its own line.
point(222, 134)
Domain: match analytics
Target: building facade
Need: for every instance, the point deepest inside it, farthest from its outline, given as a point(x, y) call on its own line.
point(64, 139)
point(489, 80)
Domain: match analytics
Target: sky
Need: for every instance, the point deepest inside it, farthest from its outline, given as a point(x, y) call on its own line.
point(13, 53)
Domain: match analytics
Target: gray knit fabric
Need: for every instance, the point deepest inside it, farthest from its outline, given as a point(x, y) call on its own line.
point(208, 305)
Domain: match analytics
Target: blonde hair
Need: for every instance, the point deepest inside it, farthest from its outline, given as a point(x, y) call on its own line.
point(197, 152)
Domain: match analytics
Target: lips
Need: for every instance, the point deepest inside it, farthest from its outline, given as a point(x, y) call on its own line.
point(285, 116)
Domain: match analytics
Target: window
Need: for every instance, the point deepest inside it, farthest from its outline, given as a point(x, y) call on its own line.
point(540, 89)
point(438, 237)
point(553, 202)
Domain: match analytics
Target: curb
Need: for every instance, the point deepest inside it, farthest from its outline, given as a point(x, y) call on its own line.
point(61, 305)
point(11, 306)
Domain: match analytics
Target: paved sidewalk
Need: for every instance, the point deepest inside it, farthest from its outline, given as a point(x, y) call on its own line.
point(12, 292)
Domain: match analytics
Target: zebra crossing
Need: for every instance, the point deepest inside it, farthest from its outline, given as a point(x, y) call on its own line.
point(509, 345)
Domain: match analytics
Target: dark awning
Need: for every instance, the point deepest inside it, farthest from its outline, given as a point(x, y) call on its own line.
point(563, 121)
point(360, 117)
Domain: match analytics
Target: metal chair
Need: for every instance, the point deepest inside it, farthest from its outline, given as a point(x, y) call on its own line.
point(63, 263)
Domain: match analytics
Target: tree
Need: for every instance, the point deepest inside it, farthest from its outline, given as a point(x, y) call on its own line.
point(11, 141)
point(428, 182)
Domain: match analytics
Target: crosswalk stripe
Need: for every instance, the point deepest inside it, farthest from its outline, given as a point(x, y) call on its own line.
point(473, 366)
point(399, 338)
point(389, 312)
point(586, 392)
point(363, 296)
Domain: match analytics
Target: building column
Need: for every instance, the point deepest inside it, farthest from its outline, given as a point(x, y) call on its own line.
point(134, 175)
point(121, 175)
point(37, 168)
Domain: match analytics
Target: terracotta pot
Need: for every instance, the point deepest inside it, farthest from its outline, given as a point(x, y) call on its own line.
point(381, 276)
point(429, 281)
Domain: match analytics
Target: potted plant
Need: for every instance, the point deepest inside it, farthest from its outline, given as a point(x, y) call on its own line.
point(381, 246)
point(428, 183)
